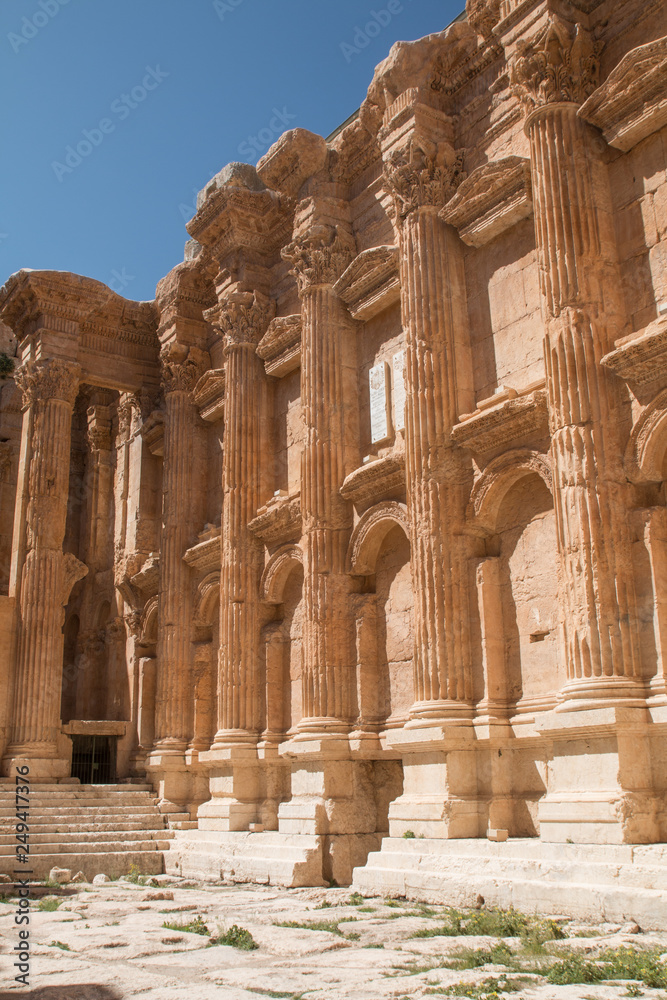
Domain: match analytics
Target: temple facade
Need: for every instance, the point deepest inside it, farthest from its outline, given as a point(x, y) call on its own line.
point(353, 542)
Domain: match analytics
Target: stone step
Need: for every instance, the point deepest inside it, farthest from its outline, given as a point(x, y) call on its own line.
point(290, 860)
point(86, 837)
point(590, 882)
point(112, 863)
point(109, 845)
point(149, 822)
point(65, 809)
point(183, 824)
point(8, 786)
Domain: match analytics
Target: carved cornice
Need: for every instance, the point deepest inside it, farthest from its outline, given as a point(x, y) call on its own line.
point(73, 571)
point(422, 174)
point(147, 580)
point(641, 357)
point(44, 380)
point(236, 212)
point(371, 283)
point(356, 149)
point(209, 394)
point(296, 156)
point(491, 200)
point(320, 255)
point(242, 317)
point(206, 555)
point(560, 64)
point(184, 294)
point(280, 347)
point(632, 102)
point(483, 15)
point(181, 367)
point(278, 521)
point(375, 480)
point(513, 419)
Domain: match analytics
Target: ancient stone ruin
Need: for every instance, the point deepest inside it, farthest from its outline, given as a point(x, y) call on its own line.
point(353, 543)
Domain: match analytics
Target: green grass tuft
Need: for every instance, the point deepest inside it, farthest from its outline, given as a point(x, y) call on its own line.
point(59, 944)
point(47, 905)
point(196, 926)
point(238, 937)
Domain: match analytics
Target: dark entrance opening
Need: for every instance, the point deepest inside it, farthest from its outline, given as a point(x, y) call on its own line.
point(94, 759)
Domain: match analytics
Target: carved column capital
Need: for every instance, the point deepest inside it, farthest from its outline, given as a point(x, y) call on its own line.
point(559, 65)
point(48, 380)
point(422, 174)
point(319, 256)
point(182, 367)
point(242, 318)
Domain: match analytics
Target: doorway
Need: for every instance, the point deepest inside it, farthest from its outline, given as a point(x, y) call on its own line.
point(94, 759)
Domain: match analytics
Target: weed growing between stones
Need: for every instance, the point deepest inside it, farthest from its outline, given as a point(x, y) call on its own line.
point(625, 963)
point(59, 944)
point(239, 937)
point(49, 904)
point(495, 923)
point(135, 876)
point(491, 988)
point(196, 926)
point(356, 899)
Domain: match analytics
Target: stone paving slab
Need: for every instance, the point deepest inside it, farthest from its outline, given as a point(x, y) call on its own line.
point(109, 940)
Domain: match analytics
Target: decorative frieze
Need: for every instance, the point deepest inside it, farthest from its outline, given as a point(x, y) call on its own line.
point(280, 347)
point(508, 419)
point(491, 200)
point(278, 521)
point(371, 283)
point(376, 480)
point(632, 102)
point(641, 357)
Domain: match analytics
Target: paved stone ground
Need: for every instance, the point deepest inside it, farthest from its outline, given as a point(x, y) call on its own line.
point(107, 942)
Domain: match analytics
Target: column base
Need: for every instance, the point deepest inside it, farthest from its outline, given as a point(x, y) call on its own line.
point(439, 797)
point(171, 778)
point(234, 788)
point(45, 769)
point(600, 781)
point(583, 695)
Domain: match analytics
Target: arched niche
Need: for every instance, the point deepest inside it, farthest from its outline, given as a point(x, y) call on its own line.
point(646, 454)
point(277, 571)
point(371, 531)
point(499, 477)
point(379, 550)
point(206, 625)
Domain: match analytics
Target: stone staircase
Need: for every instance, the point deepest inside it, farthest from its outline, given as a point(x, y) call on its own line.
point(96, 829)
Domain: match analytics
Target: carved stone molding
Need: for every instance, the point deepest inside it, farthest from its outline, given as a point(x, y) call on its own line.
point(296, 156)
point(152, 431)
point(74, 570)
point(632, 102)
point(320, 255)
point(559, 64)
point(374, 480)
point(182, 367)
point(647, 447)
point(370, 532)
point(278, 521)
point(641, 357)
point(371, 283)
point(209, 394)
point(511, 420)
point(99, 428)
point(422, 174)
point(280, 347)
point(207, 601)
point(242, 317)
point(276, 572)
point(499, 476)
point(48, 380)
point(206, 555)
point(483, 15)
point(147, 579)
point(491, 200)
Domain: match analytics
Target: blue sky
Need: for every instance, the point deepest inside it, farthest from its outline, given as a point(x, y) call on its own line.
point(115, 112)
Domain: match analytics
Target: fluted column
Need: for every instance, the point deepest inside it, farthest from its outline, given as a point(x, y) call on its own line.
point(327, 391)
point(181, 369)
point(583, 313)
point(49, 391)
point(421, 177)
point(242, 317)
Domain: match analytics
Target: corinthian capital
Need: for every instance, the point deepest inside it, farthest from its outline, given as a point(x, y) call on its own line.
point(320, 256)
point(242, 317)
point(48, 380)
point(182, 367)
point(560, 64)
point(422, 174)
